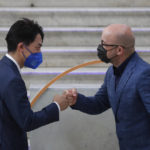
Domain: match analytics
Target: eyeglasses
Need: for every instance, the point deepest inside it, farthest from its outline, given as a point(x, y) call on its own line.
point(112, 45)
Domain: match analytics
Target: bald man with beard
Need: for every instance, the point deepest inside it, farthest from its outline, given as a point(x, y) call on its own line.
point(126, 89)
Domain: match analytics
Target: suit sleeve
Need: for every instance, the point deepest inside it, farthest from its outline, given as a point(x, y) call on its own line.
point(94, 104)
point(16, 100)
point(143, 88)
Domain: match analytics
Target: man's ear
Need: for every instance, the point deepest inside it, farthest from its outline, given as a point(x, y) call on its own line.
point(120, 50)
point(20, 47)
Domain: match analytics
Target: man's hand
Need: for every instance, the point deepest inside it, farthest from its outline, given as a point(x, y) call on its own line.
point(71, 95)
point(62, 101)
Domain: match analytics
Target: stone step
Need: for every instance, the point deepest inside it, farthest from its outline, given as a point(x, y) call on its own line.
point(73, 56)
point(35, 88)
point(44, 75)
point(79, 36)
point(78, 16)
point(74, 3)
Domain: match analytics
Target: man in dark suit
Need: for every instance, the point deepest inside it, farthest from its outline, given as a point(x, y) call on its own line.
point(24, 41)
point(126, 89)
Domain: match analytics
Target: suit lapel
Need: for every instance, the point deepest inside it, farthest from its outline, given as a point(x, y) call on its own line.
point(113, 94)
point(125, 78)
point(111, 89)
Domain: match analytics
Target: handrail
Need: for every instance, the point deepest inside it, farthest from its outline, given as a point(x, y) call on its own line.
point(61, 75)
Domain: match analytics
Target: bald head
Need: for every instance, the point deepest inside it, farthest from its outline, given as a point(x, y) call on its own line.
point(119, 34)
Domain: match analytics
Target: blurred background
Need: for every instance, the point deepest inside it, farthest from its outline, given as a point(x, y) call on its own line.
point(72, 33)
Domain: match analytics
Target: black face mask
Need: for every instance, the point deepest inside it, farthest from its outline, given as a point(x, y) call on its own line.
point(102, 54)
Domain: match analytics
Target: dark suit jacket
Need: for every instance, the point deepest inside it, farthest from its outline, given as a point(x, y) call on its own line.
point(130, 103)
point(16, 116)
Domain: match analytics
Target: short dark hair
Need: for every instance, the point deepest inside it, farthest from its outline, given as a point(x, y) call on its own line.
point(24, 30)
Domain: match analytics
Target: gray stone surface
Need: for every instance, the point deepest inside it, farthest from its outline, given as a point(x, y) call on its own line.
point(71, 17)
point(75, 130)
point(74, 3)
point(84, 75)
point(85, 36)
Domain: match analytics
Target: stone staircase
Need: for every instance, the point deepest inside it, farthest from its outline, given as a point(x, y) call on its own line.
point(72, 32)
point(74, 3)
point(72, 35)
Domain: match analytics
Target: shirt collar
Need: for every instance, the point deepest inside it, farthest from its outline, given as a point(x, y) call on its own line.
point(11, 58)
point(119, 70)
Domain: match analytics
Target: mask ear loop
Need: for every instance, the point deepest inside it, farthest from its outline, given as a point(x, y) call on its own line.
point(23, 55)
point(27, 49)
